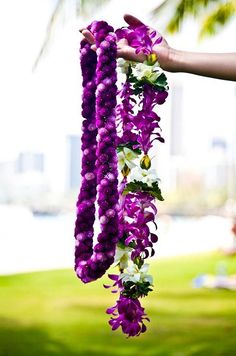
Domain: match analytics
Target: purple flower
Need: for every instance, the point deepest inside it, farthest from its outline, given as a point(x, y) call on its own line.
point(146, 120)
point(124, 112)
point(117, 285)
point(129, 314)
point(139, 38)
point(140, 208)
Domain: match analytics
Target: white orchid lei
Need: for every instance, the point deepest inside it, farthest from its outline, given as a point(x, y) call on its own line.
point(139, 177)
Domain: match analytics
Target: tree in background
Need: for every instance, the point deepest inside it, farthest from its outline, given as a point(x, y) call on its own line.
point(82, 8)
point(213, 14)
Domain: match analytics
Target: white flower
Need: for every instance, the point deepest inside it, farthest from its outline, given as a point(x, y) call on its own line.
point(123, 65)
point(143, 175)
point(126, 156)
point(142, 70)
point(134, 274)
point(122, 256)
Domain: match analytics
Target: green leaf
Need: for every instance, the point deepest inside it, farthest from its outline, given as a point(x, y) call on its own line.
point(121, 244)
point(132, 79)
point(139, 261)
point(161, 80)
point(136, 290)
point(130, 146)
point(131, 187)
point(129, 72)
point(137, 186)
point(160, 84)
point(156, 191)
point(132, 244)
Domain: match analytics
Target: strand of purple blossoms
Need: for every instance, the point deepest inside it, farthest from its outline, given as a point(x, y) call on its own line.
point(99, 163)
point(127, 213)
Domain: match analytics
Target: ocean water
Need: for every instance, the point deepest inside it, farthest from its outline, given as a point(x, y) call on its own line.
point(31, 243)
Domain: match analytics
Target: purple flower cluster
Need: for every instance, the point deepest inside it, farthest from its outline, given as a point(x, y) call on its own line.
point(143, 127)
point(147, 121)
point(139, 207)
point(128, 314)
point(124, 112)
point(99, 163)
point(139, 38)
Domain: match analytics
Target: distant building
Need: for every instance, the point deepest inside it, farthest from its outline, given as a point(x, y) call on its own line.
point(219, 143)
point(7, 173)
point(216, 174)
point(29, 161)
point(74, 164)
point(176, 129)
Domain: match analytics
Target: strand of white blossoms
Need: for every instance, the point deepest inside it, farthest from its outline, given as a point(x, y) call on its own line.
point(144, 87)
point(127, 157)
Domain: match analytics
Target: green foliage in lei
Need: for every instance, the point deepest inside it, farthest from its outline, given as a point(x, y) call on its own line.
point(160, 84)
point(129, 145)
point(137, 186)
point(136, 290)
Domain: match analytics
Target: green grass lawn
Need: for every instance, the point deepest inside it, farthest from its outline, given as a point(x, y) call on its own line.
point(53, 313)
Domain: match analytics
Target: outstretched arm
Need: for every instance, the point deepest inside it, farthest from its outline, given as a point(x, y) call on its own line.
point(214, 65)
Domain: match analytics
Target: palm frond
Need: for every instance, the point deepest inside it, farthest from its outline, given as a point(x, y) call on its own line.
point(218, 18)
point(162, 6)
point(51, 24)
point(180, 10)
point(86, 8)
point(83, 8)
point(184, 9)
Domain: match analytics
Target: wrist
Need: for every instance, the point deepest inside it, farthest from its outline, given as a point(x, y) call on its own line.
point(169, 58)
point(180, 61)
point(175, 60)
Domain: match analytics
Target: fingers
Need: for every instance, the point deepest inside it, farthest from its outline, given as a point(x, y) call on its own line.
point(88, 36)
point(132, 20)
point(121, 43)
point(129, 54)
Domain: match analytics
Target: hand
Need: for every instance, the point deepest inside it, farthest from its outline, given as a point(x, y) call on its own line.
point(127, 52)
point(162, 50)
point(123, 49)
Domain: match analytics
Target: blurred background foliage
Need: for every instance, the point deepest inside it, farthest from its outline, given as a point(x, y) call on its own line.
point(212, 15)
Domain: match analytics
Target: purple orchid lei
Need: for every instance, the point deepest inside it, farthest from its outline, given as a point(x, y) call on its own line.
point(99, 162)
point(118, 127)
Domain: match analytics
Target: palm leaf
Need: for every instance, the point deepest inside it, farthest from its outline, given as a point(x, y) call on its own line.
point(50, 27)
point(86, 8)
point(218, 18)
point(83, 8)
point(161, 7)
point(181, 9)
